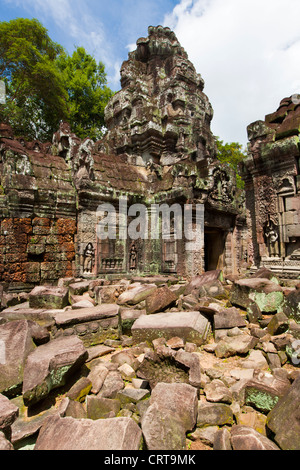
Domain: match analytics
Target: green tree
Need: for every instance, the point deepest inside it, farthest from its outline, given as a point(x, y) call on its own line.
point(233, 154)
point(36, 97)
point(88, 94)
point(45, 85)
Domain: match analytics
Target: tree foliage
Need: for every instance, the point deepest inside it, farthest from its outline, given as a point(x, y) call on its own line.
point(232, 154)
point(85, 82)
point(45, 85)
point(36, 98)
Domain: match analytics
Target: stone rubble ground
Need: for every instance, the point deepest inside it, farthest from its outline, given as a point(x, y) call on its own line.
point(174, 365)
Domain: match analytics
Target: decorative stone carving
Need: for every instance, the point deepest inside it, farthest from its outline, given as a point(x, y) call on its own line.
point(88, 259)
point(272, 237)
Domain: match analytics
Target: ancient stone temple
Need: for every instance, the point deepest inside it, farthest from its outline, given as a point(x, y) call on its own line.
point(158, 149)
point(272, 177)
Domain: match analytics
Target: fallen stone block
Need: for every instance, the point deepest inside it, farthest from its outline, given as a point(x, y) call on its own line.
point(172, 413)
point(214, 414)
point(97, 376)
point(112, 384)
point(283, 420)
point(222, 440)
point(15, 346)
point(229, 318)
point(191, 326)
point(102, 408)
point(217, 392)
point(159, 300)
point(266, 294)
point(93, 325)
point(72, 434)
point(127, 318)
point(4, 443)
point(50, 365)
point(48, 297)
point(279, 324)
point(80, 389)
point(197, 282)
point(136, 293)
point(246, 438)
point(292, 305)
point(230, 346)
point(8, 414)
point(79, 288)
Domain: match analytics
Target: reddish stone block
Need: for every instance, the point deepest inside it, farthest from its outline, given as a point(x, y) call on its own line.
point(41, 222)
point(66, 226)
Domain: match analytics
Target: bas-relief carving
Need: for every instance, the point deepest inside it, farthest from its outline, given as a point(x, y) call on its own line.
point(88, 259)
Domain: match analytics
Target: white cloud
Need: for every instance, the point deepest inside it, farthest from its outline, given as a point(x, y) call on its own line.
point(247, 52)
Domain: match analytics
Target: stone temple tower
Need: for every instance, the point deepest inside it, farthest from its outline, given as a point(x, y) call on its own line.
point(161, 114)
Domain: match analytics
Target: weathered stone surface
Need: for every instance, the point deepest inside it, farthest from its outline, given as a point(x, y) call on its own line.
point(214, 414)
point(71, 434)
point(102, 408)
point(197, 282)
point(191, 326)
point(250, 417)
point(78, 288)
point(263, 395)
point(255, 360)
point(48, 297)
point(217, 392)
point(159, 300)
point(29, 423)
point(8, 414)
point(80, 389)
point(180, 399)
point(291, 305)
point(278, 325)
point(97, 377)
point(75, 409)
point(246, 438)
point(4, 443)
point(229, 318)
point(128, 317)
point(112, 384)
point(283, 420)
point(222, 440)
point(266, 294)
point(131, 395)
point(99, 312)
point(162, 430)
point(231, 346)
point(136, 294)
point(49, 366)
point(172, 412)
point(16, 345)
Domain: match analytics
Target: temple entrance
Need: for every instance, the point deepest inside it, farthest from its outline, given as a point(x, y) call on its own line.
point(214, 246)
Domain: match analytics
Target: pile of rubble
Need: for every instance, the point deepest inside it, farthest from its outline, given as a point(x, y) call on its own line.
point(152, 363)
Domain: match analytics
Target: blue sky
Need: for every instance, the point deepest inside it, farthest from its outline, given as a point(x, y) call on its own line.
point(247, 51)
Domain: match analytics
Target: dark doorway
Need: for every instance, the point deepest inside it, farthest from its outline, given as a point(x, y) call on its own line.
point(214, 246)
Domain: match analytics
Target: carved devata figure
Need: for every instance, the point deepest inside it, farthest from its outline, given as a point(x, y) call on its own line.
point(133, 257)
point(272, 239)
point(88, 259)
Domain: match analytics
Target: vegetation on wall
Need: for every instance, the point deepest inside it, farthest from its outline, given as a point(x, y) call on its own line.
point(233, 154)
